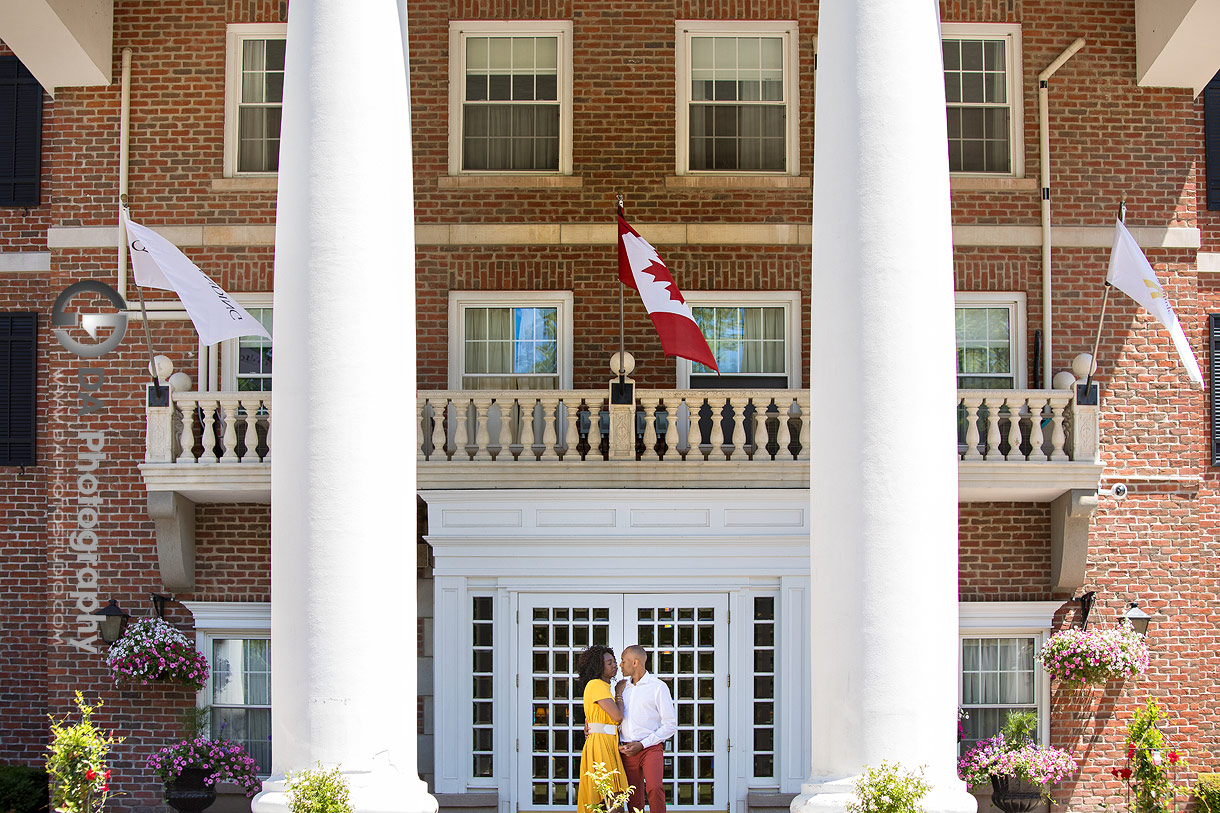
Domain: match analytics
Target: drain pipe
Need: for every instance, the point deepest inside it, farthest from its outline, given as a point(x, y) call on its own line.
point(1044, 140)
point(124, 144)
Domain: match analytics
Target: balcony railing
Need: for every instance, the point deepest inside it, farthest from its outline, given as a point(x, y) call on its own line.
point(1012, 444)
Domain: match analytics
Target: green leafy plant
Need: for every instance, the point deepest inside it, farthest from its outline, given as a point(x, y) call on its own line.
point(889, 788)
point(612, 801)
point(317, 791)
point(1151, 763)
point(23, 789)
point(76, 762)
point(1207, 792)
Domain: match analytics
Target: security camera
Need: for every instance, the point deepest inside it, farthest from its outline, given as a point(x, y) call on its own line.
point(1118, 491)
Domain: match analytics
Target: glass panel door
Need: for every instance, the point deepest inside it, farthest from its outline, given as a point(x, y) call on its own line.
point(687, 638)
point(554, 629)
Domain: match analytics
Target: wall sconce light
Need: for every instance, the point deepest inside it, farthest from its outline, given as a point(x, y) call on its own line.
point(1086, 606)
point(1138, 618)
point(159, 602)
point(113, 623)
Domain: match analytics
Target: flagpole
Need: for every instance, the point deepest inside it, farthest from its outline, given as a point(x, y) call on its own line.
point(1105, 297)
point(152, 364)
point(622, 369)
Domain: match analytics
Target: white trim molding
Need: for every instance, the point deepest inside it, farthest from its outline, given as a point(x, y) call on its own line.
point(1007, 616)
point(251, 616)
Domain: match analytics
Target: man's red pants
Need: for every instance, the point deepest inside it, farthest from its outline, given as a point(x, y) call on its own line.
point(646, 773)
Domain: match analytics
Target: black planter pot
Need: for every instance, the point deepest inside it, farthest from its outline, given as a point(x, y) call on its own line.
point(188, 793)
point(1014, 795)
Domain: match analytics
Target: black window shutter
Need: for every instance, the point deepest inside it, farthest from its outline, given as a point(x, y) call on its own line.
point(1213, 334)
point(1211, 137)
point(18, 376)
point(20, 135)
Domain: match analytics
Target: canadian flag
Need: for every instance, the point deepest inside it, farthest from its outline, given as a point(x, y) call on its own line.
point(640, 267)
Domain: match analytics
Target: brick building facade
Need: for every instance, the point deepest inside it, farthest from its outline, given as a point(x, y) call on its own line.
point(543, 238)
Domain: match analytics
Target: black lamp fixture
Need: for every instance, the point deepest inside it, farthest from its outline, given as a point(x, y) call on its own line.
point(1086, 606)
point(159, 602)
point(1138, 618)
point(113, 623)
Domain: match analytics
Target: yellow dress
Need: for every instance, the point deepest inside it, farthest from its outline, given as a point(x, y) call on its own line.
point(599, 747)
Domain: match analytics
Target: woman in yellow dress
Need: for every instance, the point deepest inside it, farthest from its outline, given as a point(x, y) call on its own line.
point(596, 667)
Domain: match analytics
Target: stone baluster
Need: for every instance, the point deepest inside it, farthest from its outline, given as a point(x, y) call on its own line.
point(424, 411)
point(186, 452)
point(439, 443)
point(784, 435)
point(594, 437)
point(504, 438)
point(1014, 428)
point(972, 403)
point(718, 451)
point(228, 441)
point(550, 409)
point(461, 432)
point(159, 434)
point(209, 430)
point(1058, 437)
point(737, 438)
point(806, 408)
point(992, 451)
point(482, 438)
point(1036, 437)
point(650, 403)
point(267, 407)
point(672, 455)
point(251, 435)
point(571, 433)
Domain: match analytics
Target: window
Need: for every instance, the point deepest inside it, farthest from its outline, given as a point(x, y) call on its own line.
point(737, 92)
point(236, 638)
point(18, 383)
point(482, 695)
point(764, 687)
point(982, 93)
point(990, 330)
point(753, 336)
point(254, 96)
point(246, 360)
point(1211, 142)
point(510, 104)
point(510, 340)
point(20, 135)
point(997, 671)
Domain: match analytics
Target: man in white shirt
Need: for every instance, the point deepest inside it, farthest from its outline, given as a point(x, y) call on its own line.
point(649, 719)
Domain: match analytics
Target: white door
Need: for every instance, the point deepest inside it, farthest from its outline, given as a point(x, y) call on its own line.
point(687, 638)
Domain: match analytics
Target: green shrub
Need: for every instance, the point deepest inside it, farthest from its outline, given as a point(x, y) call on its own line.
point(317, 791)
point(1207, 792)
point(889, 788)
point(23, 790)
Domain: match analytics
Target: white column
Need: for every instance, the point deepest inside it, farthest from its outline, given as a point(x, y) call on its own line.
point(343, 496)
point(883, 465)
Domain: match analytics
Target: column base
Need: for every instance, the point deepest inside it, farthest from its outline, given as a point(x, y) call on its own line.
point(371, 792)
point(833, 796)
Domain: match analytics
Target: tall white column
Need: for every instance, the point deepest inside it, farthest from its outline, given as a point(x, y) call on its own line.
point(343, 487)
point(883, 465)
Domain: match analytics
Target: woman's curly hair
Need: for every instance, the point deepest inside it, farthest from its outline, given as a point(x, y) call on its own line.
point(591, 665)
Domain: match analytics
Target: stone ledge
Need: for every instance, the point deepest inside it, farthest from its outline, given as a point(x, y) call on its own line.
point(254, 183)
point(472, 802)
point(509, 182)
point(738, 182)
point(768, 800)
point(974, 183)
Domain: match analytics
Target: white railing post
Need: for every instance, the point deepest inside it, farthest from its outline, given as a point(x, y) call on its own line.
point(250, 437)
point(482, 439)
point(504, 437)
point(159, 433)
point(1086, 432)
point(805, 406)
point(186, 442)
point(650, 426)
point(1014, 428)
point(972, 403)
point(461, 434)
point(783, 436)
point(228, 444)
point(993, 427)
point(571, 434)
point(738, 439)
point(550, 413)
point(440, 407)
point(1035, 429)
point(718, 451)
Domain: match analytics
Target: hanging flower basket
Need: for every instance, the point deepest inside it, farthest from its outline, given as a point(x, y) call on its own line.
point(1096, 655)
point(153, 651)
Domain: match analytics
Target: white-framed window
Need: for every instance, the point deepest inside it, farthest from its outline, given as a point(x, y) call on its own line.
point(235, 636)
point(510, 97)
point(754, 335)
point(990, 340)
point(997, 672)
point(254, 97)
point(736, 85)
point(510, 340)
point(245, 362)
point(983, 98)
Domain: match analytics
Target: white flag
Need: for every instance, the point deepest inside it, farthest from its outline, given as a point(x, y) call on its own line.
point(159, 264)
point(1131, 273)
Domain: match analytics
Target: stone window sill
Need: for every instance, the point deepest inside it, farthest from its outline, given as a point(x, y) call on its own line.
point(738, 182)
point(974, 183)
point(509, 182)
point(260, 183)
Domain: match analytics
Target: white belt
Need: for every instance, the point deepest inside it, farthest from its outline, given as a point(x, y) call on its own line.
point(597, 728)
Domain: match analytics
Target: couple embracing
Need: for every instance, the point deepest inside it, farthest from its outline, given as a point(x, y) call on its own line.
point(625, 729)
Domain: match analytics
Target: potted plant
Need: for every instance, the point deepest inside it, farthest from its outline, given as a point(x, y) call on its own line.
point(1020, 771)
point(190, 769)
point(317, 791)
point(1095, 655)
point(76, 762)
point(889, 789)
point(153, 650)
point(1152, 765)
